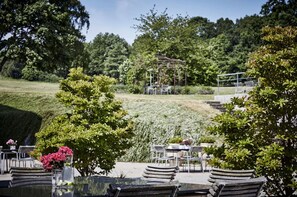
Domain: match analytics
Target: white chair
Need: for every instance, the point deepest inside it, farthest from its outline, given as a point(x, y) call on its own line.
point(22, 155)
point(166, 89)
point(192, 156)
point(159, 155)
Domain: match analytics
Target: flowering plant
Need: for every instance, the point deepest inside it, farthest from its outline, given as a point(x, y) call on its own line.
point(56, 160)
point(11, 142)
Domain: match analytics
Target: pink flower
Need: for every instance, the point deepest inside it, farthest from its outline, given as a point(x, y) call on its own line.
point(65, 150)
point(11, 141)
point(56, 160)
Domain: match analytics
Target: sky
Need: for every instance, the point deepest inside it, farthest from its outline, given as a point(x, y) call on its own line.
point(118, 16)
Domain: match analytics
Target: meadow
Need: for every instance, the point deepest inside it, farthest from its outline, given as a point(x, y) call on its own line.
point(27, 107)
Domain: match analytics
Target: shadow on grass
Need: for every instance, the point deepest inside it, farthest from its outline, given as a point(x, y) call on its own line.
point(18, 125)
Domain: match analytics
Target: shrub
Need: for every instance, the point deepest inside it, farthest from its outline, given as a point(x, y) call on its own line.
point(206, 139)
point(264, 135)
point(135, 89)
point(175, 140)
point(95, 127)
point(205, 90)
point(33, 74)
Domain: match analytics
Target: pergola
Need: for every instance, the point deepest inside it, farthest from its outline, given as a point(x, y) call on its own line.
point(165, 65)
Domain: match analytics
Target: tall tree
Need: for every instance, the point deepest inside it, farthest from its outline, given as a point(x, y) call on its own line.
point(280, 12)
point(41, 33)
point(107, 52)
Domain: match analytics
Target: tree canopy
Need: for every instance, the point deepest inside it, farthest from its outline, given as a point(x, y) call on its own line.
point(44, 34)
point(107, 52)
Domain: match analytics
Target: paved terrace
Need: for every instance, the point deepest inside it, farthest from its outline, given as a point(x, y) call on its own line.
point(133, 170)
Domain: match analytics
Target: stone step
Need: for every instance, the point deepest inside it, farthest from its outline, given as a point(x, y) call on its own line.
point(216, 105)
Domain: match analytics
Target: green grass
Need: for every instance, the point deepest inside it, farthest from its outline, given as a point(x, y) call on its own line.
point(26, 107)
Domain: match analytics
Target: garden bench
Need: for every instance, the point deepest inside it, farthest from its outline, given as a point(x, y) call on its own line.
point(161, 190)
point(22, 176)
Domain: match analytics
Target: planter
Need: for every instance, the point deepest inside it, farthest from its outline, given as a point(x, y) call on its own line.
point(57, 178)
point(206, 144)
point(63, 177)
point(12, 146)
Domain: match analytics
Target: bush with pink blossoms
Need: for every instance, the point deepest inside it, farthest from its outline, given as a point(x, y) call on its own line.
point(56, 160)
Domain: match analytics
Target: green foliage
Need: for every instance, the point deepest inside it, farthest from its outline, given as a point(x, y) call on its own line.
point(24, 114)
point(206, 139)
point(95, 127)
point(170, 120)
point(43, 34)
point(280, 13)
point(263, 135)
point(107, 53)
point(136, 76)
point(12, 69)
point(33, 74)
point(205, 90)
point(176, 140)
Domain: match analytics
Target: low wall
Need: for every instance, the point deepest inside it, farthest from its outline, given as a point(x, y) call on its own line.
point(227, 98)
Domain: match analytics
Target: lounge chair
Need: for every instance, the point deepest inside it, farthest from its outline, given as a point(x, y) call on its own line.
point(243, 188)
point(218, 174)
point(29, 176)
point(161, 190)
point(159, 174)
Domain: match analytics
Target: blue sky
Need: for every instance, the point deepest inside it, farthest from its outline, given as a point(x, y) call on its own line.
point(118, 16)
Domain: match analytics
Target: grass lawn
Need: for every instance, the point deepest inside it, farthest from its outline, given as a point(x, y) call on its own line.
point(26, 107)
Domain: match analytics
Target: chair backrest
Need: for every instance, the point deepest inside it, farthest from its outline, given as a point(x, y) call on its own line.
point(196, 150)
point(218, 174)
point(161, 174)
point(158, 148)
point(243, 188)
point(25, 149)
point(22, 176)
point(161, 190)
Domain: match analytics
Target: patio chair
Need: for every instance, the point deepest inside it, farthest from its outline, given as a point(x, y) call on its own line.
point(161, 190)
point(29, 176)
point(192, 156)
point(22, 155)
point(166, 89)
point(218, 174)
point(243, 188)
point(156, 174)
point(159, 155)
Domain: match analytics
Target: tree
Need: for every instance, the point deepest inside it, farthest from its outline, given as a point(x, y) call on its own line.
point(280, 12)
point(263, 135)
point(41, 34)
point(95, 127)
point(107, 53)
